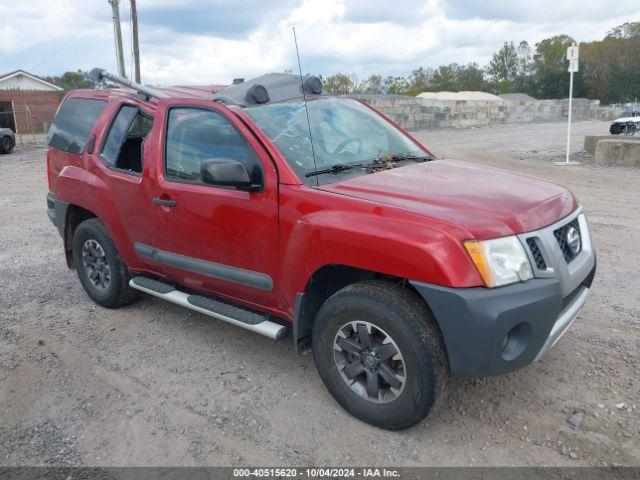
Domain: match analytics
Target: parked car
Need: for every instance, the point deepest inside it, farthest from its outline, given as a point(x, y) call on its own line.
point(7, 140)
point(625, 126)
point(281, 210)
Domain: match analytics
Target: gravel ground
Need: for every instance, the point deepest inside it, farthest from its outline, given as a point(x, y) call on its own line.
point(153, 384)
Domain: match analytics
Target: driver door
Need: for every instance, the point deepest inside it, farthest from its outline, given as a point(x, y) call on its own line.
point(220, 239)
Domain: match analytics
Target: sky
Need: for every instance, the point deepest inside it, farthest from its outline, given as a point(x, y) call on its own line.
point(213, 41)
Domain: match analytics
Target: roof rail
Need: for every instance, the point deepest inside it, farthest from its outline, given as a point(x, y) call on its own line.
point(98, 75)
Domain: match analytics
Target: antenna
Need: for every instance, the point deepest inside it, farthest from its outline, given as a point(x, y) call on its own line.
point(306, 109)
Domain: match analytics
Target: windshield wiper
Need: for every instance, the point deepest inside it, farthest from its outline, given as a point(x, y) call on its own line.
point(399, 157)
point(390, 161)
point(337, 168)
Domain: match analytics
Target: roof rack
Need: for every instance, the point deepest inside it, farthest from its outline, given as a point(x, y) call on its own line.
point(272, 87)
point(98, 75)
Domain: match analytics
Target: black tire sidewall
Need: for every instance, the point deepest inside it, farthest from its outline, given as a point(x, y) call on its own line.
point(420, 391)
point(2, 147)
point(91, 229)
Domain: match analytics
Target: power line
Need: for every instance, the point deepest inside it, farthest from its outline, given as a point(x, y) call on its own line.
point(66, 44)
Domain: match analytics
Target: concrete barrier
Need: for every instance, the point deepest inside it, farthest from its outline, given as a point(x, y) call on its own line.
point(625, 152)
point(591, 141)
point(416, 113)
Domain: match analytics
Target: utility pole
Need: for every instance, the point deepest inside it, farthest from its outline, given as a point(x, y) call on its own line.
point(136, 46)
point(118, 35)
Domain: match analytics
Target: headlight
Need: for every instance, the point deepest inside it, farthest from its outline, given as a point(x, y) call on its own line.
point(500, 261)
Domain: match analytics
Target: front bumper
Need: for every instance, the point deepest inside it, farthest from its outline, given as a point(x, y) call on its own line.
point(494, 331)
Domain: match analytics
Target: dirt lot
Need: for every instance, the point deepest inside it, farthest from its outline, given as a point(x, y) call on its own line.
point(153, 384)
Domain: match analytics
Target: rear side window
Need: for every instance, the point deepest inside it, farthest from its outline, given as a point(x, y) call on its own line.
point(73, 122)
point(123, 148)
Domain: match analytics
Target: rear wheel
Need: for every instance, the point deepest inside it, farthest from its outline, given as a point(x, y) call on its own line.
point(379, 352)
point(6, 145)
point(100, 269)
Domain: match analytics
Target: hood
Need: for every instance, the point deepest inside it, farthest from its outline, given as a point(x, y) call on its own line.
point(627, 120)
point(487, 202)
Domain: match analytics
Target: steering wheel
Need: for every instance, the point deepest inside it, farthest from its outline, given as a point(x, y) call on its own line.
point(346, 142)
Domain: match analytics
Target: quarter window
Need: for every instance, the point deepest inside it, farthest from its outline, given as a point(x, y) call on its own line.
point(73, 122)
point(123, 148)
point(195, 135)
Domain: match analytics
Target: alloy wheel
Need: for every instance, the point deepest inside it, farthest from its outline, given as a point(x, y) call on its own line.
point(95, 264)
point(369, 361)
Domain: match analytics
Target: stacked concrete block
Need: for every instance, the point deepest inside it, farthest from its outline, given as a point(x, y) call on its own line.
point(625, 152)
point(591, 141)
point(420, 113)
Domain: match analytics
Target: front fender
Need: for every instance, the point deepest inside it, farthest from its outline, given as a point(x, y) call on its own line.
point(368, 236)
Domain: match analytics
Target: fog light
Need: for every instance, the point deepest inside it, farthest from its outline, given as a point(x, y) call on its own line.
point(515, 341)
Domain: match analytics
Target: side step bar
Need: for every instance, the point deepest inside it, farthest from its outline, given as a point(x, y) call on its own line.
point(214, 308)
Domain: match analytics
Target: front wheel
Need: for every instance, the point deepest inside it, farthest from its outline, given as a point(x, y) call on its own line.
point(379, 353)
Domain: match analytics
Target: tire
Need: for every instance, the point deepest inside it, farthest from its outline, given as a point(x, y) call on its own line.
point(6, 145)
point(396, 316)
point(100, 269)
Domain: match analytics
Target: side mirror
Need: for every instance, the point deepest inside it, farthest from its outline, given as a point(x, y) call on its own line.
point(225, 172)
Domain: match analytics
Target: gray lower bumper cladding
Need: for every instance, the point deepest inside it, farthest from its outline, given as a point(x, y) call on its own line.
point(494, 331)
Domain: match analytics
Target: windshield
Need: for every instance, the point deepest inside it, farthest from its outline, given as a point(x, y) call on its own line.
point(346, 134)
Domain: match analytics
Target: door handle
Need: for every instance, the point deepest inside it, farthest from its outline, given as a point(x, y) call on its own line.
point(164, 203)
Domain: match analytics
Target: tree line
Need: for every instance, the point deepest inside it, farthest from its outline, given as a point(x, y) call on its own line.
point(609, 70)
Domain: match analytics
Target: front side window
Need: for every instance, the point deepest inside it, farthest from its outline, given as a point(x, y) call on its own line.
point(123, 148)
point(70, 129)
point(343, 130)
point(195, 135)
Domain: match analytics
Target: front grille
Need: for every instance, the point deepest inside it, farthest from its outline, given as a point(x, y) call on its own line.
point(537, 254)
point(561, 237)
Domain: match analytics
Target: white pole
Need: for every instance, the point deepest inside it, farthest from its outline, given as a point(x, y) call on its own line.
point(572, 56)
point(570, 108)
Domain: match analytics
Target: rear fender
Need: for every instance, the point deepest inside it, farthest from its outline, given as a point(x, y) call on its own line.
point(81, 188)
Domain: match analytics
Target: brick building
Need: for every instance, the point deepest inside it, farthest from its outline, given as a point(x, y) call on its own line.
point(27, 103)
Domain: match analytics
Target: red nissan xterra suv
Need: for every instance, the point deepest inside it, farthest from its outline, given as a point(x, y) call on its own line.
point(278, 209)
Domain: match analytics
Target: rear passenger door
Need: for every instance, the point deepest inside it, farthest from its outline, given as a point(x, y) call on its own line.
point(216, 238)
